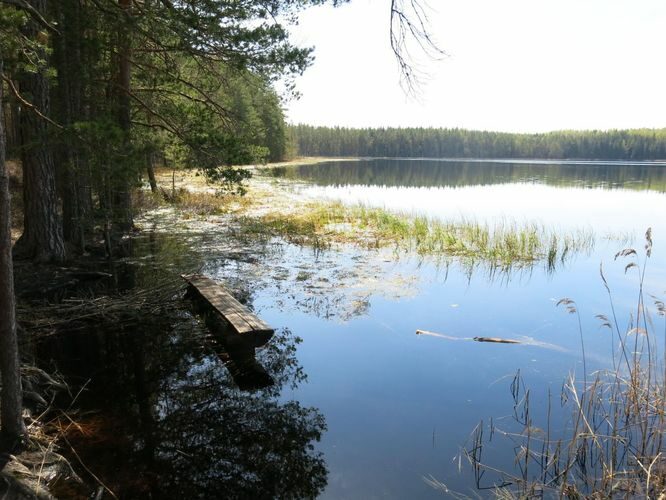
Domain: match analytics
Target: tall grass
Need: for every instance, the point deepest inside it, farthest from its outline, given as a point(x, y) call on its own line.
point(193, 203)
point(613, 445)
point(506, 243)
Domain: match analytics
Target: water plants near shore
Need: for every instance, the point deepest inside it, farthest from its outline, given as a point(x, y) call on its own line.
point(269, 211)
point(612, 444)
point(503, 244)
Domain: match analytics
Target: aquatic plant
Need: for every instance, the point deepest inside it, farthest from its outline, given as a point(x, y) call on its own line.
point(613, 442)
point(266, 212)
point(507, 243)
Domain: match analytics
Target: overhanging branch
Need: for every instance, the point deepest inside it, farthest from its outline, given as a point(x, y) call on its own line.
point(34, 13)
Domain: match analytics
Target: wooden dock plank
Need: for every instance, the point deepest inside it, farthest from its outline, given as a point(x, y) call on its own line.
point(241, 319)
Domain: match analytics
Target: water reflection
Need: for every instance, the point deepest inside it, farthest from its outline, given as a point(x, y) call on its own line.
point(163, 416)
point(435, 173)
point(170, 420)
point(609, 199)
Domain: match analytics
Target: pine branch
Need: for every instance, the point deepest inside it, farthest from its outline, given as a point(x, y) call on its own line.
point(34, 13)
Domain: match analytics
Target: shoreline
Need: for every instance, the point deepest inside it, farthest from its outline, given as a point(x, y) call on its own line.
point(301, 160)
point(313, 160)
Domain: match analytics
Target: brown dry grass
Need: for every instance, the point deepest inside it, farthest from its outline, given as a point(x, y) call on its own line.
point(612, 444)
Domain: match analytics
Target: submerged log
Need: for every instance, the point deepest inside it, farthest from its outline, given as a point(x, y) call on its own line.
point(496, 340)
point(475, 339)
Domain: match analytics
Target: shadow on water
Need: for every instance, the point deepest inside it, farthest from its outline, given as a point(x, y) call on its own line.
point(160, 413)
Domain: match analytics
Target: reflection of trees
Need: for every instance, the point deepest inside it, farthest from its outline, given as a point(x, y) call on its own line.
point(430, 173)
point(187, 430)
point(223, 444)
point(214, 441)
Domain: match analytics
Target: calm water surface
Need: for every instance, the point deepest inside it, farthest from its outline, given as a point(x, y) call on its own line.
point(390, 407)
point(609, 198)
point(399, 406)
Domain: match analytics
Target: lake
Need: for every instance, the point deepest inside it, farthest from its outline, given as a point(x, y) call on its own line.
point(399, 407)
point(362, 407)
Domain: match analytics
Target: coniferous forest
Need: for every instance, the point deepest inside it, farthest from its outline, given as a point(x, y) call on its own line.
point(97, 93)
point(640, 144)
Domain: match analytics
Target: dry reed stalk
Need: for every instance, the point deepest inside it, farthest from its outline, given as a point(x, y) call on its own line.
point(615, 443)
point(76, 314)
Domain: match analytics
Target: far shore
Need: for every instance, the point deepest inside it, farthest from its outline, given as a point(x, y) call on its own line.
point(303, 160)
point(311, 160)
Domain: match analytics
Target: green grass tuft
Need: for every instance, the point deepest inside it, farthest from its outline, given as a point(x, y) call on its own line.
point(503, 244)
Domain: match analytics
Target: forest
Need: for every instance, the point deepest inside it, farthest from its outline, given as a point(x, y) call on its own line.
point(96, 93)
point(640, 144)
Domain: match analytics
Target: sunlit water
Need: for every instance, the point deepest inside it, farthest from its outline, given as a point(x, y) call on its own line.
point(397, 407)
point(611, 199)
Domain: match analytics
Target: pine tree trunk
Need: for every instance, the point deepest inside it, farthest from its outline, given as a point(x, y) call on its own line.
point(12, 429)
point(42, 238)
point(122, 199)
point(75, 179)
point(151, 172)
point(10, 125)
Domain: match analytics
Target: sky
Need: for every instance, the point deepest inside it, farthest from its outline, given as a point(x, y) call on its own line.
point(511, 65)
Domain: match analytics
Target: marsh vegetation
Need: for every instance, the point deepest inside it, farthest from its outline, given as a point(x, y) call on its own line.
point(267, 213)
point(608, 438)
point(503, 245)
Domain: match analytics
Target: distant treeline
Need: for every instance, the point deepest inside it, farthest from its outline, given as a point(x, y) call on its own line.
point(637, 144)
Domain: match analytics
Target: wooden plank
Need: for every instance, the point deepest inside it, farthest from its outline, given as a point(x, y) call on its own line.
point(241, 319)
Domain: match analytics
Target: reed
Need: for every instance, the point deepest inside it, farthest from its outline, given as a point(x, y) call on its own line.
point(507, 243)
point(612, 445)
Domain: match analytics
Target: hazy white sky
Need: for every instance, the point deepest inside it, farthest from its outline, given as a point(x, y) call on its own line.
point(512, 65)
